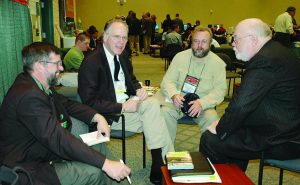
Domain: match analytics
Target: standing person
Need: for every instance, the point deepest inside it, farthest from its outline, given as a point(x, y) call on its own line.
point(39, 119)
point(264, 113)
point(74, 57)
point(167, 24)
point(92, 32)
point(153, 26)
point(207, 74)
point(134, 26)
point(109, 90)
point(179, 22)
point(146, 32)
point(284, 27)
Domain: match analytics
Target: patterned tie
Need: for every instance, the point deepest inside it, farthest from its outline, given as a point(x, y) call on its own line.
point(117, 68)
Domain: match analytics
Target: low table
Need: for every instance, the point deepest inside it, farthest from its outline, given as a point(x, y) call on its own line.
point(153, 49)
point(229, 174)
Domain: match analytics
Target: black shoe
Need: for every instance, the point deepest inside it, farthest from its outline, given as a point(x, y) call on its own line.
point(156, 177)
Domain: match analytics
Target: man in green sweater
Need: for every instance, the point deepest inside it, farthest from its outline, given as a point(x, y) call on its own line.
point(74, 57)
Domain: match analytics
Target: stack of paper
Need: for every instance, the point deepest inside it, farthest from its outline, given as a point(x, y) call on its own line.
point(179, 160)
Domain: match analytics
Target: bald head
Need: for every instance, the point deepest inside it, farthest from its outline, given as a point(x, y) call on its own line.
point(255, 27)
point(249, 37)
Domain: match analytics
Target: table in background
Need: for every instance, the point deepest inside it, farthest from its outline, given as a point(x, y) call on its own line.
point(229, 174)
point(153, 49)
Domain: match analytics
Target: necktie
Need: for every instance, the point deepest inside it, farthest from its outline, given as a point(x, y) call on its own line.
point(117, 68)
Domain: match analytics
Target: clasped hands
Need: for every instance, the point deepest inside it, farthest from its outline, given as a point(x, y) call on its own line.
point(195, 109)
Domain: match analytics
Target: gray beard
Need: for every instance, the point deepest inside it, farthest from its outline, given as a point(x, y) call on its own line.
point(200, 54)
point(52, 80)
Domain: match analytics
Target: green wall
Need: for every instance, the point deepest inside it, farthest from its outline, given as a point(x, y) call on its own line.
point(227, 12)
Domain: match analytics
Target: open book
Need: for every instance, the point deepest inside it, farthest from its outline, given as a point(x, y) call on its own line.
point(91, 138)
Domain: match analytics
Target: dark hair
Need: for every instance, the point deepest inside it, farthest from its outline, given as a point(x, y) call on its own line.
point(92, 30)
point(291, 9)
point(37, 52)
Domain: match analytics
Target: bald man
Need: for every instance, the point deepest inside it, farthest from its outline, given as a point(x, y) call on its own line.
point(264, 115)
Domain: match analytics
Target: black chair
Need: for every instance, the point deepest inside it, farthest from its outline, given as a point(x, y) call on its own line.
point(290, 165)
point(168, 52)
point(230, 69)
point(123, 134)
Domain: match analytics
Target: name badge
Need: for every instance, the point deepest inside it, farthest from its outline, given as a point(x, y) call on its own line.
point(190, 84)
point(120, 87)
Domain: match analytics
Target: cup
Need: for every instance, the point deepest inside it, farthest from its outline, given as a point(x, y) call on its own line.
point(147, 82)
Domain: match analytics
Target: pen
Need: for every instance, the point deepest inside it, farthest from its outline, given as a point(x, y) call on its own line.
point(128, 178)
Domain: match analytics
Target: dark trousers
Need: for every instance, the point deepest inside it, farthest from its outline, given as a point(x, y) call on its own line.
point(283, 38)
point(234, 150)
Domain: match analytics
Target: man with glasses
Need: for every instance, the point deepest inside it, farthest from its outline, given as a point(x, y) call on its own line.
point(35, 127)
point(106, 83)
point(264, 114)
point(198, 71)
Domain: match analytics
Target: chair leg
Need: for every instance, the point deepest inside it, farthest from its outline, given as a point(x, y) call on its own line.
point(261, 169)
point(144, 152)
point(229, 83)
point(123, 139)
point(280, 176)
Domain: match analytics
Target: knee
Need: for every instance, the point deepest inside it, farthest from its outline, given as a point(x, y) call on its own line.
point(206, 141)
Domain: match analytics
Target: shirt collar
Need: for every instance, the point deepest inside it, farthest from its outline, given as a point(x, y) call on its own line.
point(40, 85)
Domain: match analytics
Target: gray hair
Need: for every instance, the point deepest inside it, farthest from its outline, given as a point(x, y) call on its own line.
point(110, 22)
point(203, 29)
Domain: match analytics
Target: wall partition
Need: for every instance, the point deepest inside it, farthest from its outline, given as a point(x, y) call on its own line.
point(15, 33)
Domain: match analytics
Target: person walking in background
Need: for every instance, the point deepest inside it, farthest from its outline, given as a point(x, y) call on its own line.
point(134, 26)
point(106, 82)
point(264, 113)
point(146, 32)
point(74, 57)
point(153, 26)
point(284, 27)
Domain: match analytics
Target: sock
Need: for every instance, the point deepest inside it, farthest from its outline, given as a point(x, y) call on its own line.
point(157, 162)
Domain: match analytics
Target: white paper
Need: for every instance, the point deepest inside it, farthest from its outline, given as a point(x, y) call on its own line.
point(91, 138)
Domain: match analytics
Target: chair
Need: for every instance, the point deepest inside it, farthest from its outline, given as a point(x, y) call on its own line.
point(117, 134)
point(168, 52)
point(230, 69)
point(290, 165)
point(123, 134)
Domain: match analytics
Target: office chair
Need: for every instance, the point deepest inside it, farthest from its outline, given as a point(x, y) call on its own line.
point(290, 165)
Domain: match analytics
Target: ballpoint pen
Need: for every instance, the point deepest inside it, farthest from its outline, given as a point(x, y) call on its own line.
point(128, 178)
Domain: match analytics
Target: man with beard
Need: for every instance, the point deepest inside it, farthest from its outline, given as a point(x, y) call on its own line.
point(264, 114)
point(199, 71)
point(35, 127)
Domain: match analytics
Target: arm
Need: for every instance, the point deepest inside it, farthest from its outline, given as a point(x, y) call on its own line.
point(256, 83)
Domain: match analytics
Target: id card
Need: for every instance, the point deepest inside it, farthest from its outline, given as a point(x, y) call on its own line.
point(190, 84)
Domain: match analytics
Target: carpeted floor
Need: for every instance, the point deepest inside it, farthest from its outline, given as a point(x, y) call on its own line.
point(150, 68)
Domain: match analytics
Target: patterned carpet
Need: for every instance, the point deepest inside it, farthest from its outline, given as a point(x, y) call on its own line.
point(146, 67)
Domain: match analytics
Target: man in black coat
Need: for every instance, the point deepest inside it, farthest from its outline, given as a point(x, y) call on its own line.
point(265, 113)
point(35, 127)
point(106, 82)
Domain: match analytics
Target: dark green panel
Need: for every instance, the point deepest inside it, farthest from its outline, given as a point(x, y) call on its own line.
point(47, 21)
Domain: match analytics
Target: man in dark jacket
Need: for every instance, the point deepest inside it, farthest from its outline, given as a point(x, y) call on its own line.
point(35, 127)
point(264, 114)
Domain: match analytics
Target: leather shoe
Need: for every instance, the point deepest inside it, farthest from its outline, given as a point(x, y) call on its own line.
point(156, 177)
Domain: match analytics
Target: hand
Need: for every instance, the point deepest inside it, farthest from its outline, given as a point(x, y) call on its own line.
point(195, 109)
point(142, 94)
point(116, 169)
point(178, 100)
point(130, 105)
point(212, 127)
point(102, 125)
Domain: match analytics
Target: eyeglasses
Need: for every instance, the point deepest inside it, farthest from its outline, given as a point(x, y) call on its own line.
point(195, 41)
point(119, 37)
point(235, 38)
point(59, 63)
